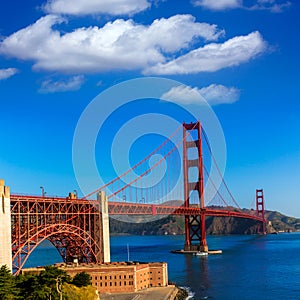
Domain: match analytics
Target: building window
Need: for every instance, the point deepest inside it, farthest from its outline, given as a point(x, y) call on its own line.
point(100, 277)
point(105, 277)
point(110, 283)
point(120, 283)
point(124, 282)
point(105, 283)
point(115, 277)
point(95, 277)
point(115, 283)
point(120, 277)
point(124, 276)
point(100, 283)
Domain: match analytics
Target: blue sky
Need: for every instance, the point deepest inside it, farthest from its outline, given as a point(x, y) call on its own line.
point(241, 56)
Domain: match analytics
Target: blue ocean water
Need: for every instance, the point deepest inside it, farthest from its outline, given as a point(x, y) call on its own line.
point(251, 266)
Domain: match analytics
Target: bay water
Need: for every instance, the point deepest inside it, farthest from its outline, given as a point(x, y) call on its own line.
point(250, 267)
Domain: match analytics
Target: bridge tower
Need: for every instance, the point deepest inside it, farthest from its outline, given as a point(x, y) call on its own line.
point(195, 231)
point(5, 226)
point(260, 208)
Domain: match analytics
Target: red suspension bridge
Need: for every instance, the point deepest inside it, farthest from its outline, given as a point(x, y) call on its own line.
point(180, 177)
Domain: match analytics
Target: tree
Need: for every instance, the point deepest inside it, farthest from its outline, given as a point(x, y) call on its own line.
point(51, 273)
point(48, 280)
point(8, 289)
point(72, 292)
point(43, 286)
point(82, 279)
point(30, 287)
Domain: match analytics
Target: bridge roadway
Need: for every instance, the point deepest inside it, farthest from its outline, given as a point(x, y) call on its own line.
point(128, 208)
point(125, 208)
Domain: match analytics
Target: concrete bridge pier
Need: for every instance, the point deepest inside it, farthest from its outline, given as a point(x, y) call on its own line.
point(5, 226)
point(103, 201)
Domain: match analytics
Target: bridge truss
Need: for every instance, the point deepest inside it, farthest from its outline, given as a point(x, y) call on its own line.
point(72, 226)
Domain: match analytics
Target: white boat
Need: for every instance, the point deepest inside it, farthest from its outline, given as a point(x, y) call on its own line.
point(201, 253)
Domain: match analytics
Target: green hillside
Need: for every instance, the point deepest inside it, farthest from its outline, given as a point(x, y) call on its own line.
point(149, 225)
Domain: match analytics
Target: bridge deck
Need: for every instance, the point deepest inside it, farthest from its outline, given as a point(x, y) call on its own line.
point(128, 208)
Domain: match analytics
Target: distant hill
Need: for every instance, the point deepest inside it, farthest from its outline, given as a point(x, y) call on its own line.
point(281, 222)
point(150, 225)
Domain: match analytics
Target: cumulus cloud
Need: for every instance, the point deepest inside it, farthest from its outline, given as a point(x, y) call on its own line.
point(213, 56)
point(118, 45)
point(6, 73)
point(270, 5)
point(73, 84)
point(84, 7)
point(213, 94)
point(220, 94)
point(219, 4)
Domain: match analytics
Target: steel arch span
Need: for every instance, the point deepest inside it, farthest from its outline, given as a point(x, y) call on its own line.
point(73, 227)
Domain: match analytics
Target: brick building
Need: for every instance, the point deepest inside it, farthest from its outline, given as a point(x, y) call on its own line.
point(119, 277)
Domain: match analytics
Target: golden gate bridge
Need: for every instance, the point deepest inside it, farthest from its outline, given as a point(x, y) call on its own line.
point(180, 177)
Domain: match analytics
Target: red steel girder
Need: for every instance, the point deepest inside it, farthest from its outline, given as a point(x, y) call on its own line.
point(73, 226)
point(126, 208)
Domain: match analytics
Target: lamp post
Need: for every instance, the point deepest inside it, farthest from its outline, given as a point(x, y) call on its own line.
point(43, 191)
point(59, 287)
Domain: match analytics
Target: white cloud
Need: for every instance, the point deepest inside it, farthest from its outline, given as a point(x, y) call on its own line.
point(218, 4)
point(213, 94)
point(6, 73)
point(213, 57)
point(118, 45)
point(84, 7)
point(73, 84)
point(270, 5)
point(218, 94)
